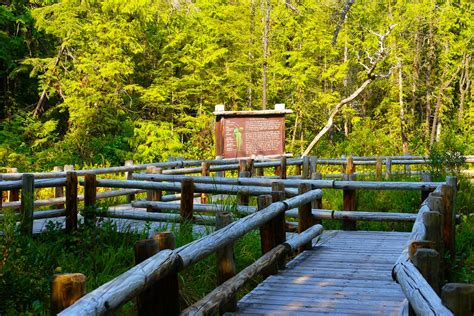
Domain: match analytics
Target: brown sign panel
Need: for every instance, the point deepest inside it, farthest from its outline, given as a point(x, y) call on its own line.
point(247, 136)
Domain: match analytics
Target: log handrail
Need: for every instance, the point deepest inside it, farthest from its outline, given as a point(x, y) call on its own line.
point(322, 184)
point(420, 295)
point(121, 289)
point(191, 166)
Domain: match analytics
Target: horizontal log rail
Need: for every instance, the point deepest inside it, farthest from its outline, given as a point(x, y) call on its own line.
point(191, 166)
point(322, 184)
point(211, 303)
point(129, 284)
point(198, 187)
point(293, 213)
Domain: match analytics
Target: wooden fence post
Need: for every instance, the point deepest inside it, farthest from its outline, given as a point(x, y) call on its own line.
point(205, 173)
point(225, 262)
point(187, 201)
point(250, 167)
point(27, 203)
point(13, 195)
point(378, 169)
point(90, 198)
point(279, 221)
point(243, 198)
point(425, 177)
point(449, 220)
point(283, 167)
point(427, 262)
point(58, 191)
point(153, 195)
point(388, 168)
point(459, 298)
point(349, 196)
point(71, 201)
point(129, 176)
point(306, 168)
point(305, 216)
point(161, 298)
point(267, 238)
point(407, 166)
point(66, 289)
point(318, 203)
point(298, 169)
point(313, 164)
point(242, 165)
point(220, 174)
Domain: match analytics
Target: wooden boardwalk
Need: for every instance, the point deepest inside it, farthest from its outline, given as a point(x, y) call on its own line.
point(347, 273)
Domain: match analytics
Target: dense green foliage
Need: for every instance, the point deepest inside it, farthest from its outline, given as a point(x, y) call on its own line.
point(99, 82)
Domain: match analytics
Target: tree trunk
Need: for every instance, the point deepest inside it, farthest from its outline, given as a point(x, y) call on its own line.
point(402, 110)
point(265, 54)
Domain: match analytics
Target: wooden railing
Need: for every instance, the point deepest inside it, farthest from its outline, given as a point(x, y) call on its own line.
point(421, 266)
point(166, 262)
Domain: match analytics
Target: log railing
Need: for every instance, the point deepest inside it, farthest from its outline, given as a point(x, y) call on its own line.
point(419, 270)
point(166, 262)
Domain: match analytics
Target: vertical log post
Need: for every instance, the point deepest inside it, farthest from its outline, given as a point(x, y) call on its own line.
point(349, 196)
point(388, 168)
point(260, 172)
point(58, 191)
point(220, 174)
point(305, 216)
point(242, 166)
point(90, 198)
point(283, 167)
point(318, 203)
point(13, 195)
point(153, 195)
point(27, 203)
point(459, 298)
point(186, 208)
point(129, 176)
point(378, 169)
point(298, 169)
point(267, 238)
point(279, 221)
point(66, 289)
point(250, 167)
point(427, 261)
point(306, 168)
point(425, 177)
point(243, 198)
point(71, 201)
point(449, 220)
point(313, 164)
point(407, 166)
point(226, 268)
point(205, 173)
point(161, 298)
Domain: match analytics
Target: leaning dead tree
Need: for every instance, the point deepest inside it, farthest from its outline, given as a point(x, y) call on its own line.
point(374, 60)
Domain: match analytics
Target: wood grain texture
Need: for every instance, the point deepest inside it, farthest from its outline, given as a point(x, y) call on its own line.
point(347, 274)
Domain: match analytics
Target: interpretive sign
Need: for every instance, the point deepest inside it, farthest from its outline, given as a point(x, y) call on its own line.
point(250, 133)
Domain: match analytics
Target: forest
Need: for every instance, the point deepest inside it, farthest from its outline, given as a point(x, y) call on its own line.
point(97, 82)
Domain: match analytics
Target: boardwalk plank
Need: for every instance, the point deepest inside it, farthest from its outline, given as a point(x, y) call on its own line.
point(347, 273)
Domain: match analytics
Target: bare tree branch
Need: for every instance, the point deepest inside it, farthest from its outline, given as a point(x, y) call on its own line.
point(371, 76)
